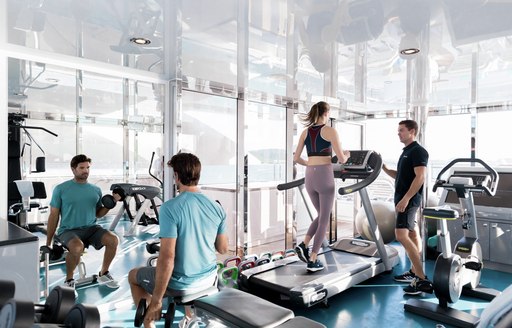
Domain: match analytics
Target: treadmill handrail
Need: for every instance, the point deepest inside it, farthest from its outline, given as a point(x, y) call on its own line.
point(440, 182)
point(291, 184)
point(369, 174)
point(375, 162)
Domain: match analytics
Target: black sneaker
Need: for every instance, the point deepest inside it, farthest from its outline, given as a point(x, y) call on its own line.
point(302, 252)
point(419, 286)
point(405, 277)
point(315, 266)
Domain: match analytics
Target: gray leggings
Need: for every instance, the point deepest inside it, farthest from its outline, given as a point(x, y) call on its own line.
point(320, 188)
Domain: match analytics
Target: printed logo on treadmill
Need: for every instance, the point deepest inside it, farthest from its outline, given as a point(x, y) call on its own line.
point(318, 296)
point(360, 243)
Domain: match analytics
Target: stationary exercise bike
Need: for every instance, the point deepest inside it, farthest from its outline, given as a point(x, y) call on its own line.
point(460, 270)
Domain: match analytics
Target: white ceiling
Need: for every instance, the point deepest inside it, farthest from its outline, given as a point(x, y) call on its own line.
point(100, 30)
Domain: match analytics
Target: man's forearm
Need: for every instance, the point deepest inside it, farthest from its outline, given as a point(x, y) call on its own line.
point(163, 274)
point(391, 173)
point(50, 229)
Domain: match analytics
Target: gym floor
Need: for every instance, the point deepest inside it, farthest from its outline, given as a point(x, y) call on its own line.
point(374, 303)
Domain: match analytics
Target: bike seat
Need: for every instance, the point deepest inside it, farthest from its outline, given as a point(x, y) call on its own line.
point(440, 213)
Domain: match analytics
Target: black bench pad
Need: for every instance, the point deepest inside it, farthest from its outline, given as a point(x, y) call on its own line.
point(244, 310)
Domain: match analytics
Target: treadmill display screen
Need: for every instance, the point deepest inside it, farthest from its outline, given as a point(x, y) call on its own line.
point(502, 199)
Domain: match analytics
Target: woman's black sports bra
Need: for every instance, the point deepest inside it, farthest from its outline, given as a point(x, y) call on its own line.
point(315, 144)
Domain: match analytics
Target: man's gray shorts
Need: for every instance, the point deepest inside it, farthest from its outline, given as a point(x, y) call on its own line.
point(146, 279)
point(89, 236)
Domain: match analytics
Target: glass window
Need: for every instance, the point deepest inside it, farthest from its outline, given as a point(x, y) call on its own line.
point(102, 96)
point(45, 89)
point(447, 137)
point(208, 129)
point(493, 129)
point(382, 137)
point(104, 145)
point(265, 141)
point(265, 144)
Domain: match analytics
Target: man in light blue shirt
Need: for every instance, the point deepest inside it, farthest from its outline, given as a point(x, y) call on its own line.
point(192, 228)
point(77, 204)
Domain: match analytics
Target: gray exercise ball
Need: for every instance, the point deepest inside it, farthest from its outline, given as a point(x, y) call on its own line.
point(384, 214)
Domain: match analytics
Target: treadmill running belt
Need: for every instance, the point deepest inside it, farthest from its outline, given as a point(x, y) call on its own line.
point(337, 264)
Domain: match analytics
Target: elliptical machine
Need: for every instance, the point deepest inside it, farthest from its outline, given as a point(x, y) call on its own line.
point(460, 270)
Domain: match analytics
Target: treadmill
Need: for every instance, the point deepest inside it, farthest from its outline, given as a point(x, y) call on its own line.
point(347, 262)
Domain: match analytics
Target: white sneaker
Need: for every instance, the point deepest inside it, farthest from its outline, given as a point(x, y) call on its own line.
point(72, 284)
point(187, 323)
point(107, 280)
point(183, 322)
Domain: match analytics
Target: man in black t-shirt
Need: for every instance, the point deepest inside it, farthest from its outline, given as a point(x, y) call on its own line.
point(409, 179)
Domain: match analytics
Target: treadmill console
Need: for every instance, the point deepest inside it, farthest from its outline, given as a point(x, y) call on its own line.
point(358, 160)
point(483, 180)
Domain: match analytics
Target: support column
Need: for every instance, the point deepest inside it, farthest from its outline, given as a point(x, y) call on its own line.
point(242, 206)
point(474, 100)
point(290, 232)
point(172, 94)
point(419, 92)
point(3, 110)
point(360, 76)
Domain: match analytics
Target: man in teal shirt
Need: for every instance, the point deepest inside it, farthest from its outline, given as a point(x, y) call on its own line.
point(77, 204)
point(192, 228)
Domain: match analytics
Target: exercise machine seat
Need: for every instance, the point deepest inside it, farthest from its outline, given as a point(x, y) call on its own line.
point(440, 213)
point(185, 299)
point(14, 194)
point(244, 310)
point(131, 189)
point(499, 311)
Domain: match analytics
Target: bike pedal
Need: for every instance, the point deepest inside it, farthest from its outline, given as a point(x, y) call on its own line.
point(475, 266)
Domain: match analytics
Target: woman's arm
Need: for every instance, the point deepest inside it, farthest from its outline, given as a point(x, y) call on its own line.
point(332, 136)
point(298, 150)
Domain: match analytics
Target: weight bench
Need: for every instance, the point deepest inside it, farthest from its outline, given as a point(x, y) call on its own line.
point(235, 308)
point(232, 308)
point(83, 279)
point(144, 197)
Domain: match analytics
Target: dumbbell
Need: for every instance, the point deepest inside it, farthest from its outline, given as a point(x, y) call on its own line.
point(57, 305)
point(55, 252)
point(108, 201)
point(246, 264)
point(20, 314)
point(235, 259)
point(140, 313)
point(277, 255)
point(228, 277)
point(153, 246)
point(290, 252)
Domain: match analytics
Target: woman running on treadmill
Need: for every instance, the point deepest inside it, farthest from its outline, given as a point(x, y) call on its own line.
point(319, 140)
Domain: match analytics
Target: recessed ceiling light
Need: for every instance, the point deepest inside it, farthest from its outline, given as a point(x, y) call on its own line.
point(140, 41)
point(52, 80)
point(409, 45)
point(410, 51)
